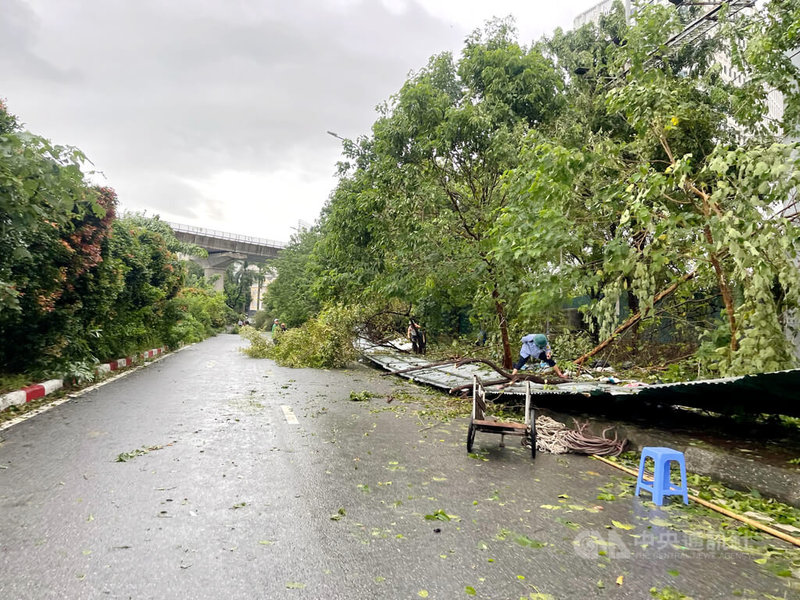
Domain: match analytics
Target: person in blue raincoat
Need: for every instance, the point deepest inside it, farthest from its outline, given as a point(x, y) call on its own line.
point(536, 347)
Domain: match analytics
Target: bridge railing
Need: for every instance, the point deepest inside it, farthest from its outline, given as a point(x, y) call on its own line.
point(224, 235)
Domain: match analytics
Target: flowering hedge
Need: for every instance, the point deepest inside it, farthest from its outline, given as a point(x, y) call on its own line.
point(78, 283)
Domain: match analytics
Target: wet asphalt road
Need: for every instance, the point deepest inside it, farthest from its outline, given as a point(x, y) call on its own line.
point(234, 501)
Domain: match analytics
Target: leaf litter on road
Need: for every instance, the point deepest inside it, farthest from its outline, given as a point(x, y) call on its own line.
point(295, 585)
point(441, 515)
point(126, 456)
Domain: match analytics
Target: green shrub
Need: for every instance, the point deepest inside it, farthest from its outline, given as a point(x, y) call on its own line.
point(260, 319)
point(207, 306)
point(193, 315)
point(571, 344)
point(324, 342)
point(186, 331)
point(79, 284)
point(80, 373)
point(260, 342)
point(13, 381)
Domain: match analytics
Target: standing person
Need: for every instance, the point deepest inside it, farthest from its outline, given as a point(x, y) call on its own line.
point(275, 327)
point(283, 327)
point(417, 337)
point(535, 346)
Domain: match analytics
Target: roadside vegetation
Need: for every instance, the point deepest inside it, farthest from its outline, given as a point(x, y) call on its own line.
point(599, 180)
point(80, 284)
point(322, 342)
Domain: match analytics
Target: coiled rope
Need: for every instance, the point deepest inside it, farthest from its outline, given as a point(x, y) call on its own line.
point(556, 438)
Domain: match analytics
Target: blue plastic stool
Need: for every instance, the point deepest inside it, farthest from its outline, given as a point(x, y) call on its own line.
point(661, 485)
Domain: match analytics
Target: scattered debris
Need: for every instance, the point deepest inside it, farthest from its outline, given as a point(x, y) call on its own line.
point(440, 515)
point(295, 585)
point(126, 456)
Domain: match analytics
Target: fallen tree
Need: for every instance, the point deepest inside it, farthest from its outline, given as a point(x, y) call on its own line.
point(635, 318)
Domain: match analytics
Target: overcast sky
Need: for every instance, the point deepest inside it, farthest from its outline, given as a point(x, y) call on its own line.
point(213, 112)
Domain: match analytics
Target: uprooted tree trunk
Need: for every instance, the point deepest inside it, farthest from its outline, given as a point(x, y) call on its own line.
point(635, 318)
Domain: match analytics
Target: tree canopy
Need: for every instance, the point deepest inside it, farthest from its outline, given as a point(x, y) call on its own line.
point(77, 282)
point(608, 168)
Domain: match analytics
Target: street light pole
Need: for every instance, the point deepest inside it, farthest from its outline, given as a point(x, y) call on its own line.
point(336, 135)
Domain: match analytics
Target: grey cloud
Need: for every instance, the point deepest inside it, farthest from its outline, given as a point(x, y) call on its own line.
point(161, 192)
point(18, 25)
point(158, 92)
point(213, 88)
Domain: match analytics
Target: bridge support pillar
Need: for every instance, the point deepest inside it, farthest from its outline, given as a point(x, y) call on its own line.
point(216, 264)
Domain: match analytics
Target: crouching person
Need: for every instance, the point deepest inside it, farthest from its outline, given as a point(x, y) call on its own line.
point(535, 346)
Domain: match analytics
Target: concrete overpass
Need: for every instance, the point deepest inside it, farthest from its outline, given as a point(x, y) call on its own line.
point(225, 248)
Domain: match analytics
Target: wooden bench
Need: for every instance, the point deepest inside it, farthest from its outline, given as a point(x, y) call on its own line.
point(479, 421)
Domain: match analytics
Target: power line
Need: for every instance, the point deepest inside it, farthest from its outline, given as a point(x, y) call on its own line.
point(707, 21)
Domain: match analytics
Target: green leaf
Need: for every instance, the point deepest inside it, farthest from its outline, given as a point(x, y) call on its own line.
point(527, 542)
point(441, 515)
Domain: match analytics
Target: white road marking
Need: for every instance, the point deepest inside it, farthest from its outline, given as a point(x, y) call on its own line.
point(291, 419)
point(86, 390)
point(33, 413)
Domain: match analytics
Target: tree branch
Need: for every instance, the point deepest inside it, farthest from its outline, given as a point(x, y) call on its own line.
point(635, 318)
